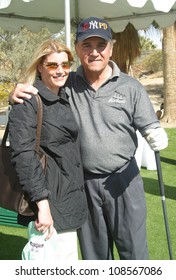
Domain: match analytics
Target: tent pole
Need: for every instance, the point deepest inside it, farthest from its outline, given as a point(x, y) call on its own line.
point(67, 24)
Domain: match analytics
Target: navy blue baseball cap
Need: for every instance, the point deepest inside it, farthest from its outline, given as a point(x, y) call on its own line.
point(91, 27)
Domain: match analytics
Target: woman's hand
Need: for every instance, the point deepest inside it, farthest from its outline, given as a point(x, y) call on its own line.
point(20, 92)
point(44, 221)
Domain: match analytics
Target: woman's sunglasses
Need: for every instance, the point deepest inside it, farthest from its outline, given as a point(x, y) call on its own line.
point(54, 65)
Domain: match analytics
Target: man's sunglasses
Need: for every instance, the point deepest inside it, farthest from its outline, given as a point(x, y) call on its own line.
point(54, 65)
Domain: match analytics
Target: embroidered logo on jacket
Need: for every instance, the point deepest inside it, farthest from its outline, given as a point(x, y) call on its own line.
point(117, 98)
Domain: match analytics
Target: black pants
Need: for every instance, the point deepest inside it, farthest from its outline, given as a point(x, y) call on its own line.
point(117, 213)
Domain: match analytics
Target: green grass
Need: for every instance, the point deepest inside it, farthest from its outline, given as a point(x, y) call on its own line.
point(12, 239)
point(157, 239)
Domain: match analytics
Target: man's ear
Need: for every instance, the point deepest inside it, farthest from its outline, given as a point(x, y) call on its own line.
point(111, 51)
point(111, 46)
point(77, 49)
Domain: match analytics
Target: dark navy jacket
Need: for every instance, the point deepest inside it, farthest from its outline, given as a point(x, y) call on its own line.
point(63, 183)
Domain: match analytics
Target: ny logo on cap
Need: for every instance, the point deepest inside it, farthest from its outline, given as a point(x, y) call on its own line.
point(94, 25)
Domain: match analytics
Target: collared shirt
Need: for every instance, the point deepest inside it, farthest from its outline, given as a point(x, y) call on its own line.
point(108, 118)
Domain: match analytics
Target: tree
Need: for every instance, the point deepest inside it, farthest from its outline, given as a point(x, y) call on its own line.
point(169, 73)
point(128, 50)
point(16, 51)
point(126, 47)
point(146, 44)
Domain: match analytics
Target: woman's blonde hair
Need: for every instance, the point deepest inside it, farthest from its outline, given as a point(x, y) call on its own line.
point(45, 48)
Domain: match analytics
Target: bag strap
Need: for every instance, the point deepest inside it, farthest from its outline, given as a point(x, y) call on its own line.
point(39, 125)
point(39, 122)
point(6, 132)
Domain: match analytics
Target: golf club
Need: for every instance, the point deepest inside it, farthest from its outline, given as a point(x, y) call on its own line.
point(162, 192)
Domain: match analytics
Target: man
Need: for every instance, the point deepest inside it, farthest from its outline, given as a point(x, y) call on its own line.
point(109, 107)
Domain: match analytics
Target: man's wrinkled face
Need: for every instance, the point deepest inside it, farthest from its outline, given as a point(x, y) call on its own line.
point(94, 53)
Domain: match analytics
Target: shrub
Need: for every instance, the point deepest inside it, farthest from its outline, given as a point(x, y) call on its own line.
point(153, 62)
point(5, 89)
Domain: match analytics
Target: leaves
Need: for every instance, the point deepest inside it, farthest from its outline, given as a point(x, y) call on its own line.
point(16, 51)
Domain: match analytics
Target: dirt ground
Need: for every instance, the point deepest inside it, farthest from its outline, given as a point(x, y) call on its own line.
point(154, 87)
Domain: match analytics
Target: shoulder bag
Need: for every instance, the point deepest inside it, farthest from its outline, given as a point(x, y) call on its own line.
point(12, 196)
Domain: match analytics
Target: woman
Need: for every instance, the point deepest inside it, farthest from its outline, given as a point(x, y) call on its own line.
point(59, 195)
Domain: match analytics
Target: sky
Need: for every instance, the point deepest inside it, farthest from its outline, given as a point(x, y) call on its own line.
point(154, 35)
point(156, 39)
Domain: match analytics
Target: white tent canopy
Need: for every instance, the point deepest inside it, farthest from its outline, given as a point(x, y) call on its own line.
point(54, 14)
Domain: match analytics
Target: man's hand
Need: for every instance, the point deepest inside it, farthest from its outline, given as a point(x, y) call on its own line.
point(20, 92)
point(157, 138)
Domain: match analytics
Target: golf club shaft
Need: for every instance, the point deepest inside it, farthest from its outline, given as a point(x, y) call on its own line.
point(162, 192)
